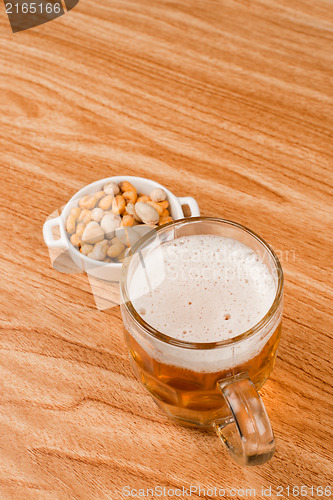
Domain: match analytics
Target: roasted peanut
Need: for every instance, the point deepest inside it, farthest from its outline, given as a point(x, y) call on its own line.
point(70, 224)
point(86, 248)
point(127, 220)
point(93, 233)
point(164, 204)
point(111, 188)
point(80, 229)
point(115, 209)
point(97, 214)
point(75, 240)
point(164, 220)
point(99, 251)
point(165, 213)
point(88, 202)
point(126, 186)
point(137, 218)
point(115, 249)
point(115, 240)
point(85, 216)
point(143, 198)
point(109, 224)
point(157, 207)
point(122, 256)
point(75, 212)
point(106, 202)
point(130, 196)
point(98, 195)
point(129, 209)
point(128, 236)
point(146, 213)
point(118, 205)
point(157, 195)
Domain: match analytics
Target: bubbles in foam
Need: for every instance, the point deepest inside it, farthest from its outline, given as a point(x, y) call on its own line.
point(221, 293)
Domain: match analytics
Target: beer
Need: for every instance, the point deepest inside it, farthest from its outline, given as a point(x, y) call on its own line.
point(198, 294)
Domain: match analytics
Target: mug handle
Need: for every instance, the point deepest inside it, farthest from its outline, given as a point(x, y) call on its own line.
point(191, 202)
point(247, 434)
point(62, 242)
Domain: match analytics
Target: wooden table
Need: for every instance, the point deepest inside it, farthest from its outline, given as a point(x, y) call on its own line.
point(227, 101)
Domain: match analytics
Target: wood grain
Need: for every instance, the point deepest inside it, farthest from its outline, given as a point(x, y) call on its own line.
point(228, 101)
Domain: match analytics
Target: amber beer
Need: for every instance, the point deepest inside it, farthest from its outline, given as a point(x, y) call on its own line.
point(194, 397)
point(198, 311)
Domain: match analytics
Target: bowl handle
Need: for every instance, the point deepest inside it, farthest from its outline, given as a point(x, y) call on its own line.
point(62, 242)
point(194, 207)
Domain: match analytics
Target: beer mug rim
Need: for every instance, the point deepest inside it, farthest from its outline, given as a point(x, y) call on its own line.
point(144, 242)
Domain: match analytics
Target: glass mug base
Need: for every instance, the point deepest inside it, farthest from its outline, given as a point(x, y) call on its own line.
point(209, 382)
point(193, 398)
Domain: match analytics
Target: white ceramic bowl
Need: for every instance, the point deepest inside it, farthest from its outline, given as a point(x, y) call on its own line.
point(104, 270)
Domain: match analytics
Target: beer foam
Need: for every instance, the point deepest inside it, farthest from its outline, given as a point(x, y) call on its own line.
point(202, 288)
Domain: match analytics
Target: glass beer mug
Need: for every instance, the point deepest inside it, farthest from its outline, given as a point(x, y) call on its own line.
point(207, 384)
